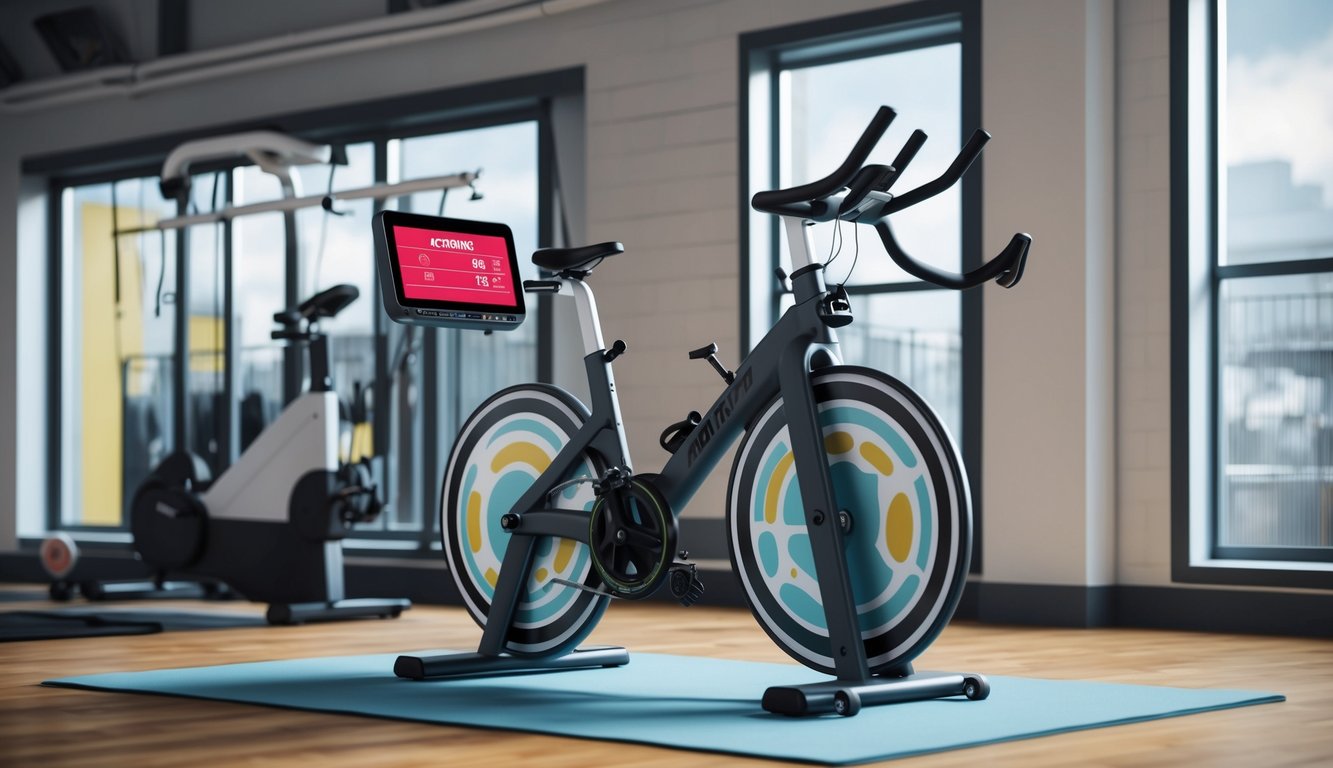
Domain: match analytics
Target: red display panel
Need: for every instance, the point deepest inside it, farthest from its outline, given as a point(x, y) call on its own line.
point(455, 267)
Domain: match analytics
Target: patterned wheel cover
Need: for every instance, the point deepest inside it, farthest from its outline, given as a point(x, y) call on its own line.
point(505, 445)
point(896, 471)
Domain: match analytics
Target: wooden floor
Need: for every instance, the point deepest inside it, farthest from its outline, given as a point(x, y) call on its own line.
point(56, 727)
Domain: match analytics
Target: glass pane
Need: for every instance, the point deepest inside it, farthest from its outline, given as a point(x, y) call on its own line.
point(339, 250)
point(915, 337)
point(1277, 116)
point(259, 278)
point(825, 108)
point(118, 315)
point(1275, 405)
point(207, 303)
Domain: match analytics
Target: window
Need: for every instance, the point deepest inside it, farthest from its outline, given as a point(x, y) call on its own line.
point(117, 342)
point(1257, 177)
point(120, 412)
point(811, 89)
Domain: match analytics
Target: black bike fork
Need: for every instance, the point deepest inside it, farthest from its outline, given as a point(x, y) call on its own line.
point(822, 514)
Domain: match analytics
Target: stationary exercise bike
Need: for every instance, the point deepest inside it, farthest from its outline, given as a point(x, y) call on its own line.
point(848, 512)
point(271, 526)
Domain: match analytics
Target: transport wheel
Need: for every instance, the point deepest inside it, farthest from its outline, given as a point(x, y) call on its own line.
point(502, 449)
point(907, 528)
point(976, 688)
point(846, 703)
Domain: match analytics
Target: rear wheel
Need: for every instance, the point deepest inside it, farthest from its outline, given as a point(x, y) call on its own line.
point(502, 449)
point(898, 477)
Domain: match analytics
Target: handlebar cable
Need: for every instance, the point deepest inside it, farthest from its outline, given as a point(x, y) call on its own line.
point(856, 255)
point(836, 240)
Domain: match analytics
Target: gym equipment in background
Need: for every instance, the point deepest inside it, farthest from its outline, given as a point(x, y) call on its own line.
point(58, 555)
point(853, 571)
point(271, 526)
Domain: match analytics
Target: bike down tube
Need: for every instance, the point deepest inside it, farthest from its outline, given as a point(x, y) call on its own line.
point(821, 512)
point(756, 382)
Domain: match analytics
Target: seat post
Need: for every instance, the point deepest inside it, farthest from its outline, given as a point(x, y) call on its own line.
point(321, 379)
point(799, 241)
point(585, 306)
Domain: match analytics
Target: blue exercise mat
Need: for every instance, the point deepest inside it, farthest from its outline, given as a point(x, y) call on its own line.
point(677, 701)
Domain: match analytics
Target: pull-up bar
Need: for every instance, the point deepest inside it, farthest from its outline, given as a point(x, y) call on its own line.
point(377, 192)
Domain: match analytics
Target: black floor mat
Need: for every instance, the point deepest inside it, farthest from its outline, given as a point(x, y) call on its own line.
point(81, 622)
point(40, 625)
point(23, 595)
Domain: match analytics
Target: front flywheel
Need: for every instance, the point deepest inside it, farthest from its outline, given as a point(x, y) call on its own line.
point(632, 538)
point(904, 504)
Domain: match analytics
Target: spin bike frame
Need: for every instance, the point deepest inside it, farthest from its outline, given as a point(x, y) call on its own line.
point(803, 341)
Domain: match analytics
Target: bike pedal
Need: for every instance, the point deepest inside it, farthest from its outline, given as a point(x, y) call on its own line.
point(685, 584)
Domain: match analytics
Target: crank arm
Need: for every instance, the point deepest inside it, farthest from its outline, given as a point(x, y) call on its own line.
point(585, 588)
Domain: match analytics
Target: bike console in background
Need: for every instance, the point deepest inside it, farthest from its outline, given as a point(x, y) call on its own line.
point(448, 273)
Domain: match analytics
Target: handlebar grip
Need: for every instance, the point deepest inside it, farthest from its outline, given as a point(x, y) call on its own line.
point(906, 154)
point(765, 201)
point(1006, 269)
point(947, 179)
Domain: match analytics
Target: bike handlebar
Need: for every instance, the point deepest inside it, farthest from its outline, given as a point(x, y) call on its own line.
point(861, 196)
point(780, 201)
point(945, 180)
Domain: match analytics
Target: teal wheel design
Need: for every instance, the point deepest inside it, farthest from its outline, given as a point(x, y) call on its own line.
point(898, 475)
point(502, 449)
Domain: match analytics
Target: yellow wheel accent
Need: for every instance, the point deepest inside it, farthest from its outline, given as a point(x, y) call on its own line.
point(521, 452)
point(540, 575)
point(877, 458)
point(490, 577)
point(794, 573)
point(474, 521)
point(838, 442)
point(563, 552)
point(775, 485)
point(898, 527)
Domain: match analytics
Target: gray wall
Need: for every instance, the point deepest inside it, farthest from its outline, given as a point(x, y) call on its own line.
point(1076, 473)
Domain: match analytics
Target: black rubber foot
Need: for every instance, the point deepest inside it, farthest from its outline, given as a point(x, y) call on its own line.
point(438, 664)
point(846, 698)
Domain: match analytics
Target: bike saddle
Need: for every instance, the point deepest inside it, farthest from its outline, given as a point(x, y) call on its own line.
point(329, 302)
point(560, 259)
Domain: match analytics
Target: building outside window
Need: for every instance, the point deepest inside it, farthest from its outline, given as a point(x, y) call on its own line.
point(1258, 116)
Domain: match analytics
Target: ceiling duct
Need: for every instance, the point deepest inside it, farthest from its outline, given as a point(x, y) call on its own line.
point(130, 80)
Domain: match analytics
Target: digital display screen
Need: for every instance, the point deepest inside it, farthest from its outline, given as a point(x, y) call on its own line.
point(448, 273)
point(454, 267)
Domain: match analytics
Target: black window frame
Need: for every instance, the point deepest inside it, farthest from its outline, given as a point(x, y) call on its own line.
point(521, 99)
point(846, 38)
point(1195, 44)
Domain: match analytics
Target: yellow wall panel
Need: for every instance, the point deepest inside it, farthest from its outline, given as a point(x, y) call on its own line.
point(106, 338)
